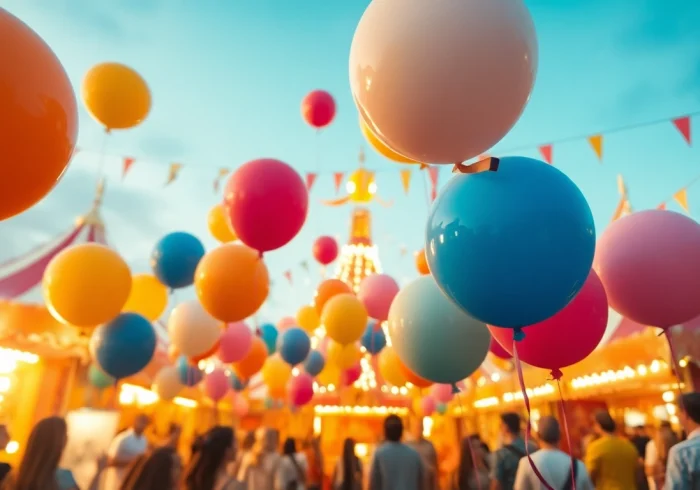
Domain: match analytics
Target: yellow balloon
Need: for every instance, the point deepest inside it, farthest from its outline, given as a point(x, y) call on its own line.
point(344, 356)
point(381, 147)
point(218, 225)
point(116, 96)
point(345, 318)
point(148, 297)
point(308, 319)
point(329, 376)
point(390, 367)
point(276, 373)
point(86, 285)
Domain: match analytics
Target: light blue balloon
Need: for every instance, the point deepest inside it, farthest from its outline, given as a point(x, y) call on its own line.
point(432, 336)
point(269, 334)
point(294, 345)
point(124, 346)
point(236, 384)
point(373, 339)
point(511, 247)
point(175, 258)
point(314, 363)
point(98, 378)
point(189, 375)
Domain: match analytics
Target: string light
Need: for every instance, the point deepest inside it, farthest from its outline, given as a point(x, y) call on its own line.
point(359, 410)
point(611, 376)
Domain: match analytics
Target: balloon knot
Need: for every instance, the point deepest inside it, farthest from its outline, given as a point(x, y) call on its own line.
point(260, 254)
point(488, 164)
point(258, 332)
point(556, 374)
point(455, 388)
point(518, 334)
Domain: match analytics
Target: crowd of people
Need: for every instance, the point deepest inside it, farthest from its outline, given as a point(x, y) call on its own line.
point(218, 462)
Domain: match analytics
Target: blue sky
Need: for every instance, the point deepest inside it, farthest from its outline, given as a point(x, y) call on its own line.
point(227, 79)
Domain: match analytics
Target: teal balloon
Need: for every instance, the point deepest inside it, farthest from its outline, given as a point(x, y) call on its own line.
point(432, 336)
point(268, 333)
point(441, 408)
point(98, 378)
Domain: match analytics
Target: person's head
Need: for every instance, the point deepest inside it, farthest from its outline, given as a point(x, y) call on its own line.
point(548, 431)
point(159, 470)
point(290, 446)
point(218, 447)
point(603, 423)
point(510, 424)
point(689, 411)
point(248, 441)
point(393, 428)
point(140, 423)
point(349, 462)
point(639, 431)
point(43, 452)
point(4, 437)
point(349, 447)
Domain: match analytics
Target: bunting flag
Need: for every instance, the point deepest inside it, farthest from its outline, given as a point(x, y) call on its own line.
point(288, 276)
point(546, 152)
point(310, 179)
point(223, 172)
point(434, 174)
point(596, 143)
point(173, 173)
point(682, 124)
point(338, 178)
point(406, 180)
point(681, 197)
point(126, 165)
point(661, 206)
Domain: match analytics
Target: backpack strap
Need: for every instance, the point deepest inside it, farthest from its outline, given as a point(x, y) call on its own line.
point(572, 475)
point(515, 450)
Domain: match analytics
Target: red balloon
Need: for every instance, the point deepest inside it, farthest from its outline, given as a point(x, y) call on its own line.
point(318, 108)
point(325, 250)
point(567, 337)
point(497, 350)
point(266, 202)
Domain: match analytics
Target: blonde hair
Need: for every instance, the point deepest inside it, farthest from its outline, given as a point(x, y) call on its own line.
point(265, 442)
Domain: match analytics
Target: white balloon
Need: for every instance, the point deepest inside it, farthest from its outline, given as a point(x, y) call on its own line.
point(192, 330)
point(167, 383)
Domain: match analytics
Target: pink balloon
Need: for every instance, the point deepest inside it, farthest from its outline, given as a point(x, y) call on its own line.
point(240, 406)
point(497, 350)
point(285, 323)
point(318, 108)
point(300, 389)
point(649, 263)
point(216, 384)
point(428, 406)
point(377, 291)
point(325, 250)
point(235, 342)
point(566, 338)
point(351, 375)
point(266, 202)
point(441, 393)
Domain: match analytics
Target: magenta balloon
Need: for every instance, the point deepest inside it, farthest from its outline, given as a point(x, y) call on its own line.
point(352, 374)
point(325, 250)
point(300, 389)
point(566, 338)
point(649, 263)
point(266, 202)
point(428, 406)
point(216, 384)
point(497, 350)
point(235, 342)
point(240, 406)
point(442, 393)
point(377, 291)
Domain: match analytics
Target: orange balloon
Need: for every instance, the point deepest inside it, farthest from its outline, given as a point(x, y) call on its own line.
point(231, 282)
point(214, 348)
point(38, 117)
point(413, 378)
point(326, 290)
point(422, 262)
point(253, 362)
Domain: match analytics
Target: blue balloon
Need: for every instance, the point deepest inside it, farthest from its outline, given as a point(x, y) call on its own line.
point(314, 363)
point(294, 345)
point(236, 384)
point(124, 346)
point(511, 247)
point(189, 375)
point(268, 333)
point(373, 339)
point(175, 258)
point(98, 378)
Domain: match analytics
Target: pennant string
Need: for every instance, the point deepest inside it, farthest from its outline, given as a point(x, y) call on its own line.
point(562, 409)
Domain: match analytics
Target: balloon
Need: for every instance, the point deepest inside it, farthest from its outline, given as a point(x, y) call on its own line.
point(218, 224)
point(314, 363)
point(497, 349)
point(422, 262)
point(318, 108)
point(253, 362)
point(428, 406)
point(116, 96)
point(167, 383)
point(352, 374)
point(99, 379)
point(432, 336)
point(390, 367)
point(188, 374)
point(39, 124)
point(300, 389)
point(294, 346)
point(148, 297)
point(330, 375)
point(328, 289)
point(216, 384)
point(344, 356)
point(285, 323)
point(413, 378)
point(308, 319)
point(269, 334)
point(441, 408)
point(85, 285)
point(567, 337)
point(124, 346)
point(526, 258)
point(373, 339)
point(235, 342)
point(205, 355)
point(442, 393)
point(232, 282)
point(236, 384)
point(240, 406)
point(376, 292)
point(442, 82)
point(266, 202)
point(345, 318)
point(649, 263)
point(175, 258)
point(381, 147)
point(275, 373)
point(192, 330)
point(325, 250)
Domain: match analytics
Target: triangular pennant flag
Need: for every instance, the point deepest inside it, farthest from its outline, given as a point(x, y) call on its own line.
point(681, 197)
point(433, 173)
point(310, 179)
point(126, 165)
point(596, 143)
point(406, 180)
point(338, 180)
point(661, 206)
point(223, 172)
point(546, 151)
point(288, 276)
point(173, 172)
point(682, 124)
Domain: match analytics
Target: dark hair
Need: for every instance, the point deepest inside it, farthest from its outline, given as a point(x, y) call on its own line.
point(350, 464)
point(207, 461)
point(605, 421)
point(248, 441)
point(147, 471)
point(690, 405)
point(393, 428)
point(290, 447)
point(477, 438)
point(466, 463)
point(45, 445)
point(549, 431)
point(512, 422)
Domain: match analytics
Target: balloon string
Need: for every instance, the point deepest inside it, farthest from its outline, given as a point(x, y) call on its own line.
point(469, 441)
point(528, 429)
point(674, 360)
point(101, 157)
point(562, 408)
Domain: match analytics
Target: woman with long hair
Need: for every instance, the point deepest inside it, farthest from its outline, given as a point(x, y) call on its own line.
point(348, 470)
point(258, 466)
point(159, 470)
point(471, 476)
point(207, 469)
point(291, 471)
point(656, 455)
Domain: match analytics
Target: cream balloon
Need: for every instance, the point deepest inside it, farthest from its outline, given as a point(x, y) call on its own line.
point(167, 383)
point(442, 82)
point(192, 330)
